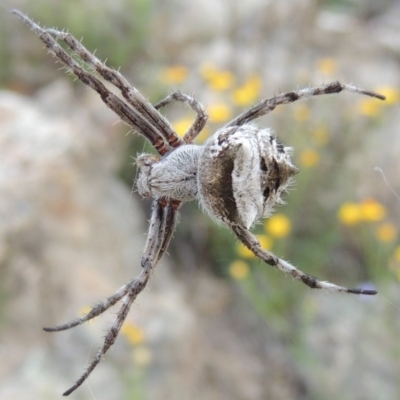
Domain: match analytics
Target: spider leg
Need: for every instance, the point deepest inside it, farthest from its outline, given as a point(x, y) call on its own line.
point(201, 118)
point(131, 116)
point(268, 105)
point(170, 224)
point(250, 241)
point(94, 312)
point(112, 300)
point(130, 93)
point(162, 224)
point(134, 288)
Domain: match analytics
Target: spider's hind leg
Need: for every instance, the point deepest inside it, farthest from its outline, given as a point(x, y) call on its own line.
point(250, 241)
point(162, 224)
point(201, 118)
point(94, 312)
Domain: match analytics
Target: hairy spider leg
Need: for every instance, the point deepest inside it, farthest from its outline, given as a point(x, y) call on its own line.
point(171, 222)
point(251, 242)
point(129, 115)
point(201, 118)
point(130, 93)
point(117, 296)
point(268, 105)
point(162, 224)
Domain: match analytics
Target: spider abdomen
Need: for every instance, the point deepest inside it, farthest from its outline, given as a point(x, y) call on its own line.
point(243, 171)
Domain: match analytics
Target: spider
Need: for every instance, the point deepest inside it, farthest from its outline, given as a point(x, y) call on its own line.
point(237, 176)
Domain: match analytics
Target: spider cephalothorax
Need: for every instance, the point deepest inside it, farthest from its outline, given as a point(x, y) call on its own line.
point(237, 175)
point(172, 176)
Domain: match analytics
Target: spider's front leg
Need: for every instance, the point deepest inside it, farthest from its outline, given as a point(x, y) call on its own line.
point(201, 118)
point(137, 112)
point(268, 105)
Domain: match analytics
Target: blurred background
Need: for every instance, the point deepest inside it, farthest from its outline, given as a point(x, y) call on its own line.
point(214, 323)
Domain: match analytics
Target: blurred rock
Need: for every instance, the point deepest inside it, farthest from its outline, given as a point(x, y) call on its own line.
point(351, 347)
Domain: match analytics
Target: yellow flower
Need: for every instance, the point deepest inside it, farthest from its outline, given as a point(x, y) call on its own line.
point(327, 66)
point(175, 74)
point(239, 270)
point(217, 79)
point(219, 112)
point(372, 211)
point(369, 107)
point(278, 226)
point(221, 80)
point(320, 135)
point(182, 125)
point(249, 92)
point(309, 158)
point(386, 232)
point(133, 333)
point(392, 94)
point(349, 213)
point(302, 113)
